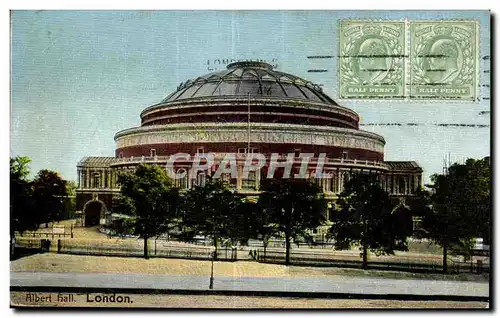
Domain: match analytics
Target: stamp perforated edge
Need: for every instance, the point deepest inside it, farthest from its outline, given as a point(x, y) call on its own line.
point(407, 100)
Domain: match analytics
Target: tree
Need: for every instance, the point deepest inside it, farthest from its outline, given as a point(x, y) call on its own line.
point(148, 195)
point(294, 206)
point(461, 206)
point(210, 211)
point(23, 216)
point(49, 191)
point(19, 168)
point(71, 188)
point(244, 222)
point(364, 218)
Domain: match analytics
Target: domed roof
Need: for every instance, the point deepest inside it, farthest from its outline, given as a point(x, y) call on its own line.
point(254, 78)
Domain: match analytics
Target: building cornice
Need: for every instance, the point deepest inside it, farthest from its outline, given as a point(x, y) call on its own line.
point(259, 133)
point(243, 101)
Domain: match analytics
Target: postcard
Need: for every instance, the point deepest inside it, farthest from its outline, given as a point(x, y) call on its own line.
point(250, 159)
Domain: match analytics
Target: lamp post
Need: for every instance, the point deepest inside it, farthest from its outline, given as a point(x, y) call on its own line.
point(211, 286)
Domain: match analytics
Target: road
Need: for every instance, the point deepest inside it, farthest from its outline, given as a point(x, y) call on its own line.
point(334, 284)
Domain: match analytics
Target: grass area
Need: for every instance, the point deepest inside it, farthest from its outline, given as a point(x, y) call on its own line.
point(90, 240)
point(51, 262)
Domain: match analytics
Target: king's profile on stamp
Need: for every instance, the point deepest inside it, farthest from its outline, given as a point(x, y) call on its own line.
point(371, 59)
point(444, 55)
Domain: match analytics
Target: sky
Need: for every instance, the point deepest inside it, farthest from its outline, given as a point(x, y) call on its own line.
point(78, 77)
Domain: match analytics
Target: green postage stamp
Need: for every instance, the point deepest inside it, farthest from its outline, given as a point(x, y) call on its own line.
point(444, 60)
point(371, 63)
point(441, 59)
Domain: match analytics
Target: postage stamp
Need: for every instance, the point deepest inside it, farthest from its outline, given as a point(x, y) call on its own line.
point(371, 61)
point(444, 60)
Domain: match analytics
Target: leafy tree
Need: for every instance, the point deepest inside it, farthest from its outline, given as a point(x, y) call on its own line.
point(71, 188)
point(244, 222)
point(364, 218)
point(210, 211)
point(263, 225)
point(420, 205)
point(250, 220)
point(461, 206)
point(293, 206)
point(19, 168)
point(23, 216)
point(148, 195)
point(49, 191)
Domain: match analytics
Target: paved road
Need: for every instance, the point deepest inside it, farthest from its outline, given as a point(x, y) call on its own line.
point(361, 285)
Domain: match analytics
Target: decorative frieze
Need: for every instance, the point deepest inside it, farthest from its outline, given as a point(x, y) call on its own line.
point(232, 133)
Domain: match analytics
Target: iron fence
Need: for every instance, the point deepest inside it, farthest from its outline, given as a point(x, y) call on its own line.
point(154, 250)
point(396, 263)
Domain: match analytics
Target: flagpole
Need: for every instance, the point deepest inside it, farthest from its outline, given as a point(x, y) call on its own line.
point(248, 146)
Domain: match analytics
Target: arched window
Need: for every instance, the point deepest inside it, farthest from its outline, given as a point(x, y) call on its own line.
point(200, 179)
point(97, 180)
point(181, 183)
point(346, 177)
point(250, 182)
point(332, 182)
point(401, 183)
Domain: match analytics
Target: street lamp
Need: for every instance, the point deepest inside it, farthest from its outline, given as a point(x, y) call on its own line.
point(211, 286)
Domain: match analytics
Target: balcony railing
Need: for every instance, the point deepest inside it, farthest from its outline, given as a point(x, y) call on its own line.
point(242, 156)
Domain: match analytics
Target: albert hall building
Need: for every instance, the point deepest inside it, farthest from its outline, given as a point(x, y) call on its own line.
point(247, 108)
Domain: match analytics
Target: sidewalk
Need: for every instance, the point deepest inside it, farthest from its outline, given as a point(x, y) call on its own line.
point(344, 285)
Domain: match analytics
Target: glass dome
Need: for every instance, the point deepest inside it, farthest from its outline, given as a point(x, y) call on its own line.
point(254, 78)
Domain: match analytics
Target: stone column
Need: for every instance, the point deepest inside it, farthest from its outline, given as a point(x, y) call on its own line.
point(82, 185)
point(239, 171)
point(407, 190)
point(91, 178)
point(257, 180)
point(104, 178)
point(109, 178)
point(389, 184)
point(341, 181)
point(79, 177)
point(101, 179)
point(327, 183)
point(87, 178)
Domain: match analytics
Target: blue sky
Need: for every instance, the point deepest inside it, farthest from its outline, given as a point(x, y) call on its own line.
point(78, 77)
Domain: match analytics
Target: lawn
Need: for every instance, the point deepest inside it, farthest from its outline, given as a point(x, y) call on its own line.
point(51, 262)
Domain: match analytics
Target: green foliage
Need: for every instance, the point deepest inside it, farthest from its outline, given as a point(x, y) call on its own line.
point(19, 168)
point(292, 207)
point(148, 195)
point(213, 210)
point(245, 222)
point(23, 215)
point(41, 200)
point(122, 226)
point(461, 205)
point(71, 188)
point(49, 191)
point(364, 218)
